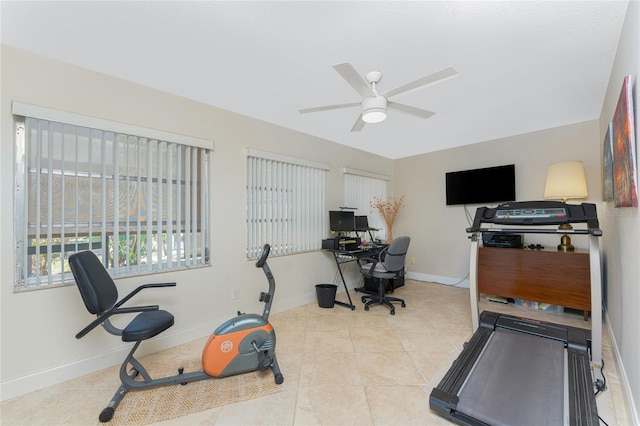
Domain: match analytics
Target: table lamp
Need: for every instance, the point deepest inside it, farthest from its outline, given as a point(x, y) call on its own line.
point(564, 181)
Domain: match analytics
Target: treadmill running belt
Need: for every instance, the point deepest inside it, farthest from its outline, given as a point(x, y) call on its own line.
point(518, 380)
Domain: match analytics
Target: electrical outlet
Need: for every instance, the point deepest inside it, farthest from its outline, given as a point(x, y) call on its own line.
point(413, 260)
point(235, 293)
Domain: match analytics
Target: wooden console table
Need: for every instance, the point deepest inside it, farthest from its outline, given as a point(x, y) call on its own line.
point(544, 276)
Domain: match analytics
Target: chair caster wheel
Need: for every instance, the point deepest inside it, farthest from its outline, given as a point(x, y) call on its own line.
point(107, 414)
point(393, 312)
point(364, 300)
point(366, 308)
point(403, 305)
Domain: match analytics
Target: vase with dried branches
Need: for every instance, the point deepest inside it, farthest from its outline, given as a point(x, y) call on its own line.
point(389, 210)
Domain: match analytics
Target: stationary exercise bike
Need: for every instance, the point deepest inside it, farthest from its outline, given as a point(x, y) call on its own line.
point(242, 344)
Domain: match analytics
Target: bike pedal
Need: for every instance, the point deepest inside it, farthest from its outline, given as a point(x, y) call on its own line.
point(264, 366)
point(264, 362)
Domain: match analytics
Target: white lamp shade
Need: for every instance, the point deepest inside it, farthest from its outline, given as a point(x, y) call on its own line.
point(565, 180)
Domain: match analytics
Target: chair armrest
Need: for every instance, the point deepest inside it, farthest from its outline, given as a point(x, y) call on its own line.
point(371, 260)
point(115, 309)
point(102, 318)
point(137, 290)
point(382, 254)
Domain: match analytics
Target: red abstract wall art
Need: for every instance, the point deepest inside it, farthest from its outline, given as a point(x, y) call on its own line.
point(625, 177)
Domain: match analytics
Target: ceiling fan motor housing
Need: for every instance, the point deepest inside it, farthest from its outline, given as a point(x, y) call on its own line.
point(374, 109)
point(374, 76)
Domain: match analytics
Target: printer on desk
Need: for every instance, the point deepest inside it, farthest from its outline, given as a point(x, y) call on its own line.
point(497, 239)
point(341, 243)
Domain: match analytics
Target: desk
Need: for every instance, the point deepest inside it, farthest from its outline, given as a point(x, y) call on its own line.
point(545, 276)
point(343, 256)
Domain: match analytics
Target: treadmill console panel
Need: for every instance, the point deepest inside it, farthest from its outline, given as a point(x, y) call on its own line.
point(552, 216)
point(536, 213)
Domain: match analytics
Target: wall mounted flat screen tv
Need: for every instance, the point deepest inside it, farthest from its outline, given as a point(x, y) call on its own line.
point(342, 220)
point(487, 185)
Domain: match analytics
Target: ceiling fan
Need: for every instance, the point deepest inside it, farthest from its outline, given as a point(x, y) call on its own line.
point(374, 105)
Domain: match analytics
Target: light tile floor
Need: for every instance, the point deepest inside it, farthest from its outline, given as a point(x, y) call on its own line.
point(341, 367)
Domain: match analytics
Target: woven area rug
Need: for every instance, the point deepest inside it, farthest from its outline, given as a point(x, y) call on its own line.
point(141, 407)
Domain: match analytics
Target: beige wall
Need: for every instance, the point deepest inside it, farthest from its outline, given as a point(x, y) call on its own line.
point(440, 245)
point(621, 226)
point(38, 327)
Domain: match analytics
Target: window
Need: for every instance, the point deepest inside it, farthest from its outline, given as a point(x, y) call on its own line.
point(140, 201)
point(285, 204)
point(360, 188)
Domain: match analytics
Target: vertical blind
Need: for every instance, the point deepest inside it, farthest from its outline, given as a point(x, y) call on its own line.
point(140, 203)
point(360, 188)
point(285, 203)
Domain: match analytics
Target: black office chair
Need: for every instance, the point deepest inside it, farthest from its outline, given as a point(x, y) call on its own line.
point(387, 266)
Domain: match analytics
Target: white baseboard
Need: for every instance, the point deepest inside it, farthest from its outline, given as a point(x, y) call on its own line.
point(291, 303)
point(52, 376)
point(630, 403)
point(455, 282)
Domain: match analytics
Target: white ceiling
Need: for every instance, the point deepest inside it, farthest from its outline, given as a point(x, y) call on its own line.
point(522, 65)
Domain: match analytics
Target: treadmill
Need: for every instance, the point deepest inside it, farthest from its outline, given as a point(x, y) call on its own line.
point(520, 371)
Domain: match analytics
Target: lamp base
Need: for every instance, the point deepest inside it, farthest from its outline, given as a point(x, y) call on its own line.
point(566, 246)
point(565, 241)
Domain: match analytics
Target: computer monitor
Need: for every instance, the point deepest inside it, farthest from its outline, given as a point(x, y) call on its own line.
point(362, 223)
point(342, 221)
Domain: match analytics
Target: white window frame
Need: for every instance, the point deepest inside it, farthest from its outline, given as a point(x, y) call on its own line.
point(286, 203)
point(166, 238)
point(360, 188)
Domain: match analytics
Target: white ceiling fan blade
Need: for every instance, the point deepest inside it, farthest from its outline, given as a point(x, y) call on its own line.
point(358, 125)
point(354, 79)
point(328, 107)
point(422, 82)
point(422, 113)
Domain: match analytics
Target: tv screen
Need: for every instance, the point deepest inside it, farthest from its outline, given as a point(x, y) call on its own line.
point(342, 221)
point(487, 185)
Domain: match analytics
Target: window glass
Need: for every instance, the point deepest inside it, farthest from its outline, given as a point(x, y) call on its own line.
point(140, 203)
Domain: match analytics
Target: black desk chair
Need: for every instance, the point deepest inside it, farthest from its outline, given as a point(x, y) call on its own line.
point(388, 265)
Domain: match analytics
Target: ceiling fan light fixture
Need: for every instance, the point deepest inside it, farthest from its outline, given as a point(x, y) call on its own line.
point(374, 109)
point(374, 115)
